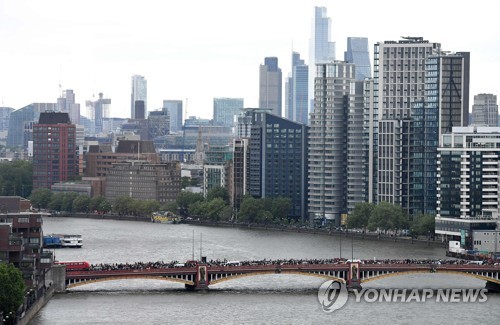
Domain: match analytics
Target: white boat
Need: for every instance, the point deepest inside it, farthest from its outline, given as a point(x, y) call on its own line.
point(71, 241)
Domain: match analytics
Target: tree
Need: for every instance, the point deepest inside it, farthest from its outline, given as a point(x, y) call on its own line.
point(123, 205)
point(218, 192)
point(11, 288)
point(81, 203)
point(214, 208)
point(387, 216)
point(280, 207)
point(16, 178)
point(423, 224)
point(67, 201)
point(40, 198)
point(104, 206)
point(95, 202)
point(56, 202)
point(250, 209)
point(170, 206)
point(185, 199)
point(360, 215)
point(185, 182)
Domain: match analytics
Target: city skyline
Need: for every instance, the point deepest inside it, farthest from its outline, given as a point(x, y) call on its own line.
point(98, 47)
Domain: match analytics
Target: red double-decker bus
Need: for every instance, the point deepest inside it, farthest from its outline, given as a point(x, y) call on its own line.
point(73, 266)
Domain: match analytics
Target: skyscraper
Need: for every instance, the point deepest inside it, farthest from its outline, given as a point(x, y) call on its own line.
point(270, 84)
point(336, 161)
point(21, 123)
point(139, 92)
point(226, 109)
point(4, 118)
point(174, 108)
point(67, 104)
point(485, 110)
point(321, 49)
point(97, 110)
point(296, 89)
point(54, 149)
point(358, 53)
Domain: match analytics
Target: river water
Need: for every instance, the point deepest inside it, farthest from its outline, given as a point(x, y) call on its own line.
point(265, 299)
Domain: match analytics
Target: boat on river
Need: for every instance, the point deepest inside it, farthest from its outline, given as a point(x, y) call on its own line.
point(165, 217)
point(62, 241)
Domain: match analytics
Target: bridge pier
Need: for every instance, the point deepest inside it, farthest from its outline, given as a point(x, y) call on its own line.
point(200, 279)
point(492, 287)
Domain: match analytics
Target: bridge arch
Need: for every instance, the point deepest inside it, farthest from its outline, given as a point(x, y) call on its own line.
point(233, 276)
point(494, 276)
point(149, 277)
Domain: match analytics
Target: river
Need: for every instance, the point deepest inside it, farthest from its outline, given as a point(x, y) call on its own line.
point(269, 299)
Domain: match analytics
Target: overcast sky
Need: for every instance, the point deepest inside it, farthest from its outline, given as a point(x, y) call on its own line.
point(201, 49)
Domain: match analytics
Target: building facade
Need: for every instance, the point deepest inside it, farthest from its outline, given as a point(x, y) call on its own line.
point(144, 181)
point(139, 92)
point(21, 123)
point(98, 110)
point(67, 104)
point(174, 109)
point(270, 85)
point(358, 53)
point(226, 110)
point(54, 150)
point(485, 110)
point(4, 118)
point(336, 166)
point(277, 163)
point(296, 91)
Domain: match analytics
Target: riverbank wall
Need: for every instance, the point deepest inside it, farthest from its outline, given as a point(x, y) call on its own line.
point(35, 308)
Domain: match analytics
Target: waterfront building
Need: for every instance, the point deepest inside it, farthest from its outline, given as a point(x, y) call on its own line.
point(468, 190)
point(54, 150)
point(100, 158)
point(237, 176)
point(358, 53)
point(174, 109)
point(277, 164)
point(485, 110)
point(336, 166)
point(296, 91)
point(270, 85)
point(21, 240)
point(21, 123)
point(226, 110)
point(322, 49)
point(142, 180)
point(139, 92)
point(215, 167)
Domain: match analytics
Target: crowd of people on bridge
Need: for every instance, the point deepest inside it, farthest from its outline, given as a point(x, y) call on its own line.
point(263, 262)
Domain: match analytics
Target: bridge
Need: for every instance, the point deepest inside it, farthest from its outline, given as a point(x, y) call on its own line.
point(353, 274)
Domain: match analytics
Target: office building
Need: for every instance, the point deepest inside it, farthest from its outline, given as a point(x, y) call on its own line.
point(237, 180)
point(4, 118)
point(54, 150)
point(215, 167)
point(21, 122)
point(321, 48)
point(226, 110)
point(174, 109)
point(139, 92)
point(358, 53)
point(270, 85)
point(336, 161)
point(485, 110)
point(296, 91)
point(142, 180)
point(67, 104)
point(97, 111)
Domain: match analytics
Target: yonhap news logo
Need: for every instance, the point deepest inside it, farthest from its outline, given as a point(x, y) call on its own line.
point(333, 295)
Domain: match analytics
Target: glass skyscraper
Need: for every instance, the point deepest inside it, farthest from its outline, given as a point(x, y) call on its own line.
point(174, 108)
point(270, 85)
point(139, 92)
point(358, 53)
point(226, 110)
point(296, 105)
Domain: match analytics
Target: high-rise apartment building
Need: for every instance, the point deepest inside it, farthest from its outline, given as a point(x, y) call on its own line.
point(67, 104)
point(226, 110)
point(358, 53)
point(336, 161)
point(139, 92)
point(270, 85)
point(277, 163)
point(485, 110)
point(174, 108)
point(54, 150)
point(97, 111)
point(321, 48)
